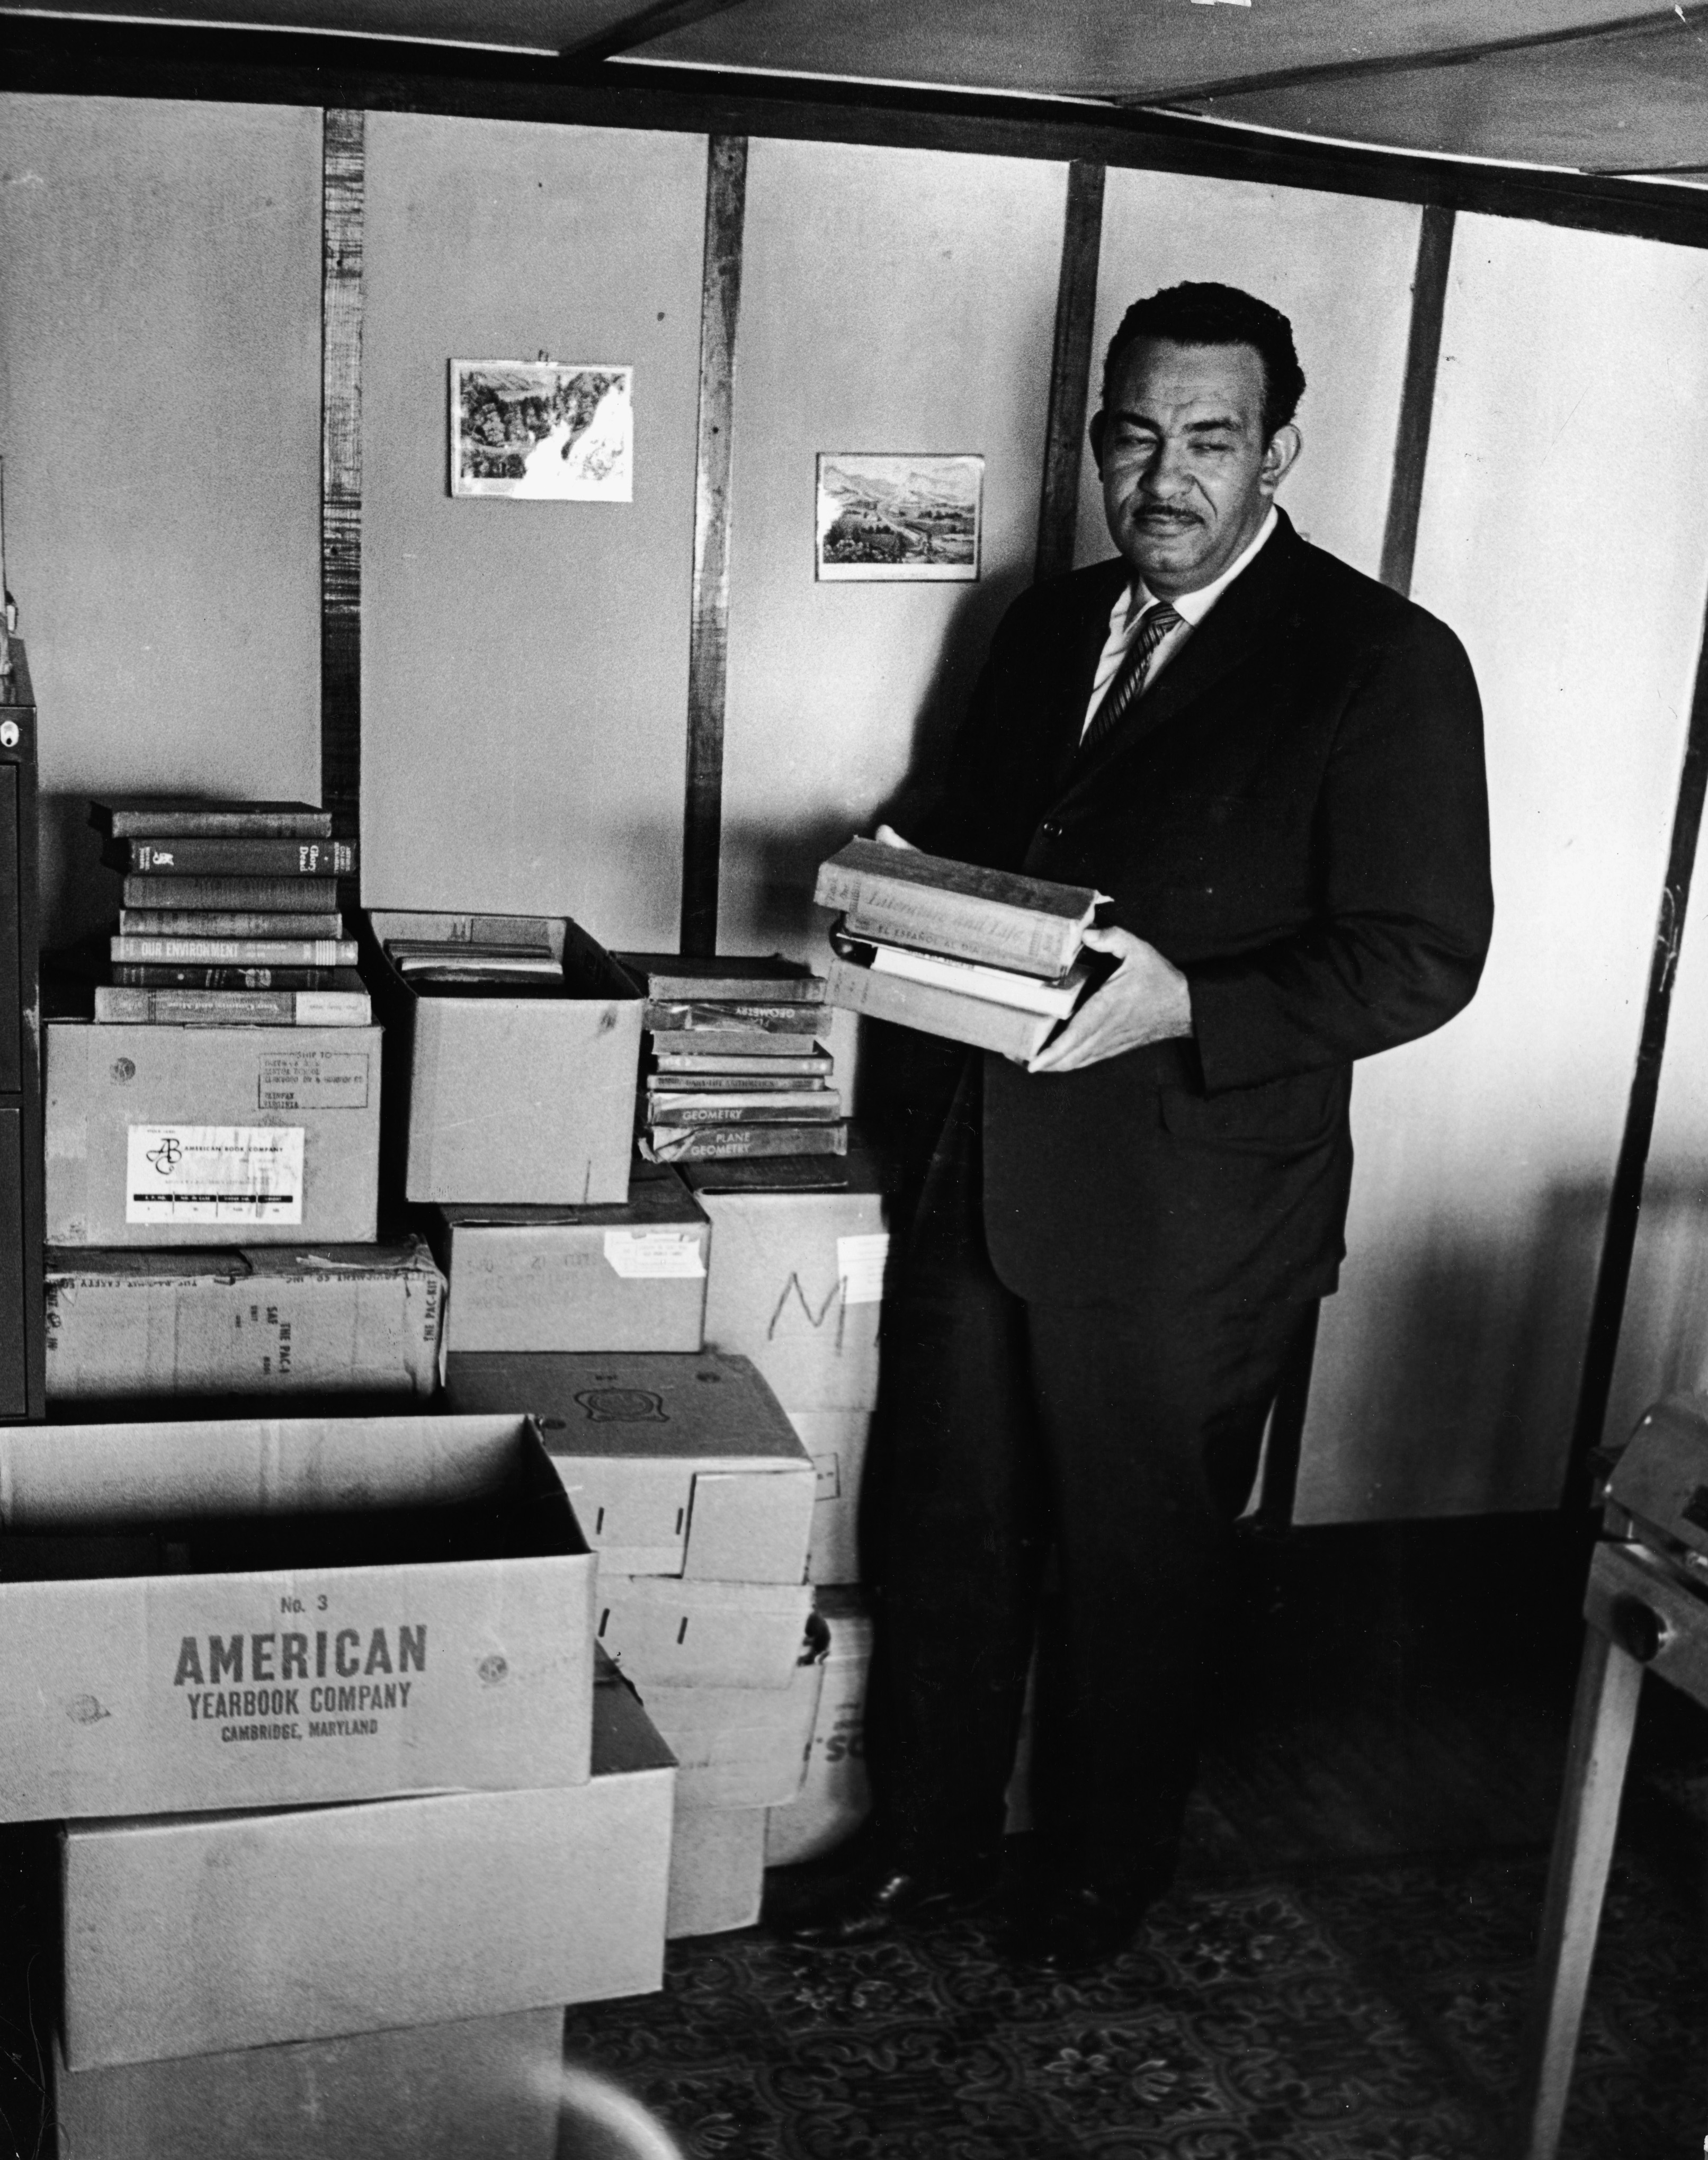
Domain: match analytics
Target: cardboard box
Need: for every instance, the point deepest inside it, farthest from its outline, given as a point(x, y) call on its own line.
point(666, 1634)
point(717, 1871)
point(275, 1320)
point(196, 1934)
point(620, 1278)
point(678, 1465)
point(741, 1747)
point(524, 1098)
point(181, 1135)
point(426, 2092)
point(836, 1441)
point(834, 1797)
point(246, 1613)
point(796, 1284)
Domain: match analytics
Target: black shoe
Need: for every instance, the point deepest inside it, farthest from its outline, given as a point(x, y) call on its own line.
point(1072, 1927)
point(877, 1896)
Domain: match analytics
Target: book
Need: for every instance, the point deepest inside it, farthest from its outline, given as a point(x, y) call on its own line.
point(121, 1005)
point(227, 922)
point(744, 1110)
point(675, 1017)
point(699, 1143)
point(239, 952)
point(216, 854)
point(466, 963)
point(208, 975)
point(675, 975)
point(706, 1061)
point(999, 986)
point(238, 895)
point(731, 1041)
point(779, 1173)
point(753, 1083)
point(961, 909)
point(858, 987)
point(165, 817)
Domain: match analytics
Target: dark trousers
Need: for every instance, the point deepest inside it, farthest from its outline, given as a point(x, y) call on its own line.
point(1126, 1435)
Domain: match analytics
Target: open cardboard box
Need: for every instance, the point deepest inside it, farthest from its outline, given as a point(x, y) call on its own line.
point(527, 1097)
point(252, 1613)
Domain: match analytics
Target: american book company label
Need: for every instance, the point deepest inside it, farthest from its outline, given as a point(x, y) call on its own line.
point(213, 1173)
point(313, 1080)
point(859, 1267)
point(637, 1253)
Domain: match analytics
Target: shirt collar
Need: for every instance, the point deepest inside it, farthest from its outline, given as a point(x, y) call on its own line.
point(1192, 607)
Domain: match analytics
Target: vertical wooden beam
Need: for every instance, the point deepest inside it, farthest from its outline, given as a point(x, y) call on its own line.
point(708, 631)
point(1070, 369)
point(1417, 397)
point(342, 181)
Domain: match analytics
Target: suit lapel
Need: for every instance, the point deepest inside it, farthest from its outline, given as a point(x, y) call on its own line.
point(1243, 621)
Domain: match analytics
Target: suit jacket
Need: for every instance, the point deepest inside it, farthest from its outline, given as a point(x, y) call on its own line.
point(1296, 816)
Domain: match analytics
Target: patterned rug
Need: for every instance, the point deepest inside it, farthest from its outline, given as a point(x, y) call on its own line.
point(1356, 2012)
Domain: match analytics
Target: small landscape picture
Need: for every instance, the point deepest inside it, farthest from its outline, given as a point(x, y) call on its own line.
point(886, 515)
point(541, 431)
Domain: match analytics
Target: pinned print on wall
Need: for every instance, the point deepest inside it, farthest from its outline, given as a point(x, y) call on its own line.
point(887, 515)
point(542, 431)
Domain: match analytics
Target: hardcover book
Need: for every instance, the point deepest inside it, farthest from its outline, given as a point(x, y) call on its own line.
point(122, 1005)
point(769, 1081)
point(215, 923)
point(862, 988)
point(701, 1142)
point(732, 1041)
point(674, 975)
point(225, 855)
point(209, 975)
point(905, 897)
point(166, 816)
point(744, 1109)
point(239, 952)
point(281, 895)
point(706, 1061)
point(674, 1016)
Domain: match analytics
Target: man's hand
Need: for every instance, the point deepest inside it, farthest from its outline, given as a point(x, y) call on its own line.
point(1145, 1000)
point(888, 837)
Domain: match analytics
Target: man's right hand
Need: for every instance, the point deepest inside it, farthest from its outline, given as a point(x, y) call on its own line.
point(887, 837)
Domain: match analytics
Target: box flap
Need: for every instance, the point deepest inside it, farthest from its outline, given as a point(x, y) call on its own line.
point(748, 1528)
point(711, 1408)
point(702, 1635)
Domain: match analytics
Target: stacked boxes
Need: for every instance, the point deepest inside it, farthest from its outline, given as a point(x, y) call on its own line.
point(697, 1496)
point(316, 1699)
point(734, 1066)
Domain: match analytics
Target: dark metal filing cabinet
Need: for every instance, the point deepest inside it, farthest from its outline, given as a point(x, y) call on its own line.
point(21, 1343)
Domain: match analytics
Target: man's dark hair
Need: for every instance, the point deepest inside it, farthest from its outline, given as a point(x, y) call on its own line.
point(1218, 315)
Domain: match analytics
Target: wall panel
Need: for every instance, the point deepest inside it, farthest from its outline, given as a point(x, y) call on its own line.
point(1339, 267)
point(892, 300)
point(160, 415)
point(1564, 536)
point(524, 664)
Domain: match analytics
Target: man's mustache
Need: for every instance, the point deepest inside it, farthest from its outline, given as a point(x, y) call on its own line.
point(1158, 513)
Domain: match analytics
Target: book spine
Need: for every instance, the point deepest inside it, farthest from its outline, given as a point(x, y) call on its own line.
point(156, 975)
point(213, 856)
point(206, 923)
point(239, 952)
point(795, 1067)
point(678, 1018)
point(265, 894)
point(945, 1013)
point(963, 927)
point(664, 988)
point(125, 1007)
point(234, 823)
point(707, 1143)
point(730, 1042)
point(731, 1110)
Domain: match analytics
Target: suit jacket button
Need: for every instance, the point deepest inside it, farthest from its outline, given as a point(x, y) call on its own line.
point(1051, 829)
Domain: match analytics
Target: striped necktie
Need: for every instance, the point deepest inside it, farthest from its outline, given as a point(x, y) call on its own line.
point(1130, 677)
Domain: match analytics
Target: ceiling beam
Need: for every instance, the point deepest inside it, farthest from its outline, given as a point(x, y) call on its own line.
point(1383, 63)
point(640, 28)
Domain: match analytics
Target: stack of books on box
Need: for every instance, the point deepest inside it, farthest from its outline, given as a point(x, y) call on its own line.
point(734, 1066)
point(230, 916)
point(978, 956)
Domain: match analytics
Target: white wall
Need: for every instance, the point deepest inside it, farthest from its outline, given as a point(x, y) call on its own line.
point(160, 421)
point(1564, 536)
point(524, 664)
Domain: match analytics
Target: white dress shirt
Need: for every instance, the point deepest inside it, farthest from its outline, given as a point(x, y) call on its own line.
point(1129, 610)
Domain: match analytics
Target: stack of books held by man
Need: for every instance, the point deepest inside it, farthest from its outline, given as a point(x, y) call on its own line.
point(230, 915)
point(978, 956)
point(734, 1066)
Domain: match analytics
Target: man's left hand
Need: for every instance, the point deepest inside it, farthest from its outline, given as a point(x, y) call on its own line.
point(1145, 1000)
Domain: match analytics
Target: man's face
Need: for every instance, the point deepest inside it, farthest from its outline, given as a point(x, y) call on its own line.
point(1188, 477)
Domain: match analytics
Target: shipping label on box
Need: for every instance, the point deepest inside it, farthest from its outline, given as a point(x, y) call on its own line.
point(246, 1613)
point(201, 1933)
point(155, 1136)
point(666, 1634)
point(620, 1278)
point(796, 1284)
point(272, 1319)
point(676, 1465)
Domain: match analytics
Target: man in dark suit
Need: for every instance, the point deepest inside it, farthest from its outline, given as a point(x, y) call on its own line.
point(1272, 767)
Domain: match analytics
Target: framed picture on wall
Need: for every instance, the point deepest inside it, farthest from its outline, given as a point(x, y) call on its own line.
point(890, 515)
point(542, 431)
